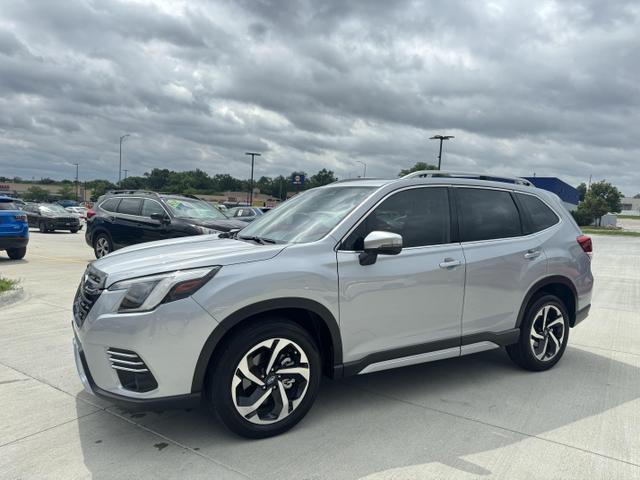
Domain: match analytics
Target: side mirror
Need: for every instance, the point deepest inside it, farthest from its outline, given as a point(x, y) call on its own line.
point(230, 234)
point(380, 243)
point(161, 217)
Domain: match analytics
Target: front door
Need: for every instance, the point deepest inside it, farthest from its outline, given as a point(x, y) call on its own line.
point(407, 304)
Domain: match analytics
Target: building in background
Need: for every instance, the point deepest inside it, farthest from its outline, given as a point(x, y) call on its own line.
point(568, 194)
point(17, 190)
point(631, 206)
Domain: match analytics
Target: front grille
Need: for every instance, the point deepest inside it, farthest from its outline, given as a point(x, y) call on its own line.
point(87, 294)
point(65, 220)
point(132, 372)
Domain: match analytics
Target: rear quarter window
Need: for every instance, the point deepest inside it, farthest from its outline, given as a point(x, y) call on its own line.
point(540, 215)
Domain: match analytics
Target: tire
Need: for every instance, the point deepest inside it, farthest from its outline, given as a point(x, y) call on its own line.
point(17, 253)
point(42, 227)
point(74, 230)
point(544, 334)
point(226, 387)
point(102, 245)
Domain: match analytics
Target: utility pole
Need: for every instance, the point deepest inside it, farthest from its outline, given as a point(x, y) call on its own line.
point(76, 181)
point(364, 174)
point(253, 155)
point(120, 166)
point(441, 138)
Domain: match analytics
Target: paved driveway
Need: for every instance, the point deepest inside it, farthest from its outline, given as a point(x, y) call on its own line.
point(471, 417)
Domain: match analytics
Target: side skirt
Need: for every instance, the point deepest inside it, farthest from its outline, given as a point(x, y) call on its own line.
point(428, 352)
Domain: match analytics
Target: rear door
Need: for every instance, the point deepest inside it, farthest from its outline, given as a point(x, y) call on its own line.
point(502, 260)
point(406, 304)
point(127, 229)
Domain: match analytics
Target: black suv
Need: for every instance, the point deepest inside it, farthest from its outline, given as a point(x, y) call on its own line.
point(125, 218)
point(48, 217)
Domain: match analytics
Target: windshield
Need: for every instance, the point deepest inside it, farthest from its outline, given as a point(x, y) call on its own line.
point(190, 208)
point(308, 216)
point(52, 209)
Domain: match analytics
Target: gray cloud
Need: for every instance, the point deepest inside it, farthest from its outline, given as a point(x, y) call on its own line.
point(544, 87)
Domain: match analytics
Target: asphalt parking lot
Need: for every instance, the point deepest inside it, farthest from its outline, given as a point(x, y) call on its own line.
point(476, 416)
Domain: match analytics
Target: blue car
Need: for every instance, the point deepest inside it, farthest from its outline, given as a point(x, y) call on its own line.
point(14, 229)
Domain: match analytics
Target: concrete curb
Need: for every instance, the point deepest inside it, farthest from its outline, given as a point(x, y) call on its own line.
point(12, 296)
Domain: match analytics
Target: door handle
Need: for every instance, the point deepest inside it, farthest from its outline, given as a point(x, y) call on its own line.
point(532, 253)
point(449, 263)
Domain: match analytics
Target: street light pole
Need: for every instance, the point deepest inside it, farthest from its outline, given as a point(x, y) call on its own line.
point(125, 173)
point(253, 155)
point(441, 138)
point(365, 168)
point(76, 164)
point(120, 166)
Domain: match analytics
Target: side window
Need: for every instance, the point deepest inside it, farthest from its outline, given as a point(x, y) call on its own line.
point(420, 215)
point(130, 206)
point(540, 215)
point(110, 205)
point(487, 214)
point(151, 206)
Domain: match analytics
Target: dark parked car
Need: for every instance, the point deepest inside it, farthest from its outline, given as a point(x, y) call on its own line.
point(247, 214)
point(124, 218)
point(14, 229)
point(49, 217)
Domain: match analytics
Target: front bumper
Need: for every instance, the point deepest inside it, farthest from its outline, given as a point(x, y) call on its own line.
point(168, 340)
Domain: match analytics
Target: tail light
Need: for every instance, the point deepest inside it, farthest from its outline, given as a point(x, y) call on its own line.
point(90, 213)
point(586, 245)
point(21, 218)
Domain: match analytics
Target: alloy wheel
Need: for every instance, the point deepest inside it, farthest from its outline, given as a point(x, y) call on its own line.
point(270, 381)
point(102, 247)
point(547, 333)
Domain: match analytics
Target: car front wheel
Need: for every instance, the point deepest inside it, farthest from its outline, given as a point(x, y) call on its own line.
point(265, 379)
point(543, 335)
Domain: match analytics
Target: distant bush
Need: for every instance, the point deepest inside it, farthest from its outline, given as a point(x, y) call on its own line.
point(582, 217)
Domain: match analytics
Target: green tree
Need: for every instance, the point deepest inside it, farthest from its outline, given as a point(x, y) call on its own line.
point(608, 193)
point(323, 177)
point(36, 194)
point(416, 168)
point(99, 188)
point(592, 208)
point(582, 190)
point(66, 192)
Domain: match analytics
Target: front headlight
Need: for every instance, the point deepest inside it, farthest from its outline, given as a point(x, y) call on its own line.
point(146, 293)
point(206, 231)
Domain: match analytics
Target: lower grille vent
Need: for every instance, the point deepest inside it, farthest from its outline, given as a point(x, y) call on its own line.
point(132, 372)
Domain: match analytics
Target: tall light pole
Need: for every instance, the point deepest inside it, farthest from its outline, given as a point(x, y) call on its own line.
point(253, 155)
point(76, 164)
point(125, 173)
point(120, 166)
point(441, 138)
point(365, 168)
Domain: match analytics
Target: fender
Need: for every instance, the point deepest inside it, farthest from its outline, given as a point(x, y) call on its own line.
point(542, 283)
point(262, 307)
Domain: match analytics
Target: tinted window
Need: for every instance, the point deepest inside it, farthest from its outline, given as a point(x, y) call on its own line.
point(420, 215)
point(8, 206)
point(110, 205)
point(130, 206)
point(540, 215)
point(151, 206)
point(487, 214)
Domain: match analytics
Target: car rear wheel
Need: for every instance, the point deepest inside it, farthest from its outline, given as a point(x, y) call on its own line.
point(102, 245)
point(17, 253)
point(42, 227)
point(544, 334)
point(74, 230)
point(265, 379)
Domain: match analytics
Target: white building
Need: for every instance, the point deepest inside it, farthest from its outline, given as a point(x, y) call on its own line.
point(631, 206)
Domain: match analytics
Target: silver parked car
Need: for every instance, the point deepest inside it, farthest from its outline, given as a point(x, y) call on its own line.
point(350, 278)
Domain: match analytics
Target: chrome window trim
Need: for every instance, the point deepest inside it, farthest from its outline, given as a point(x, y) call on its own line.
point(389, 194)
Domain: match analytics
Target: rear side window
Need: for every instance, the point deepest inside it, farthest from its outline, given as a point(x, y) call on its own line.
point(130, 206)
point(487, 214)
point(110, 205)
point(420, 215)
point(540, 215)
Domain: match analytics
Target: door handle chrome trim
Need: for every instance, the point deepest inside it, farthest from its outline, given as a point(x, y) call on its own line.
point(449, 263)
point(532, 254)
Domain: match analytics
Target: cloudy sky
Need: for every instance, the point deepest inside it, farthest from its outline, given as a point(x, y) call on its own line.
point(545, 87)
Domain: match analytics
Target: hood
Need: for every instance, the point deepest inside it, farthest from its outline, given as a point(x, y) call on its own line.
point(181, 253)
point(221, 225)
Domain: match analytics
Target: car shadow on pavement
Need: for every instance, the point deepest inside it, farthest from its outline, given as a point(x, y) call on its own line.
point(426, 415)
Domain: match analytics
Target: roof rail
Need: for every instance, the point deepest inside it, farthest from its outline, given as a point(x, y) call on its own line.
point(133, 191)
point(478, 176)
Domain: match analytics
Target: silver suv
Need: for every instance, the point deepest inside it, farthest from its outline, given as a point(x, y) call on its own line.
point(351, 278)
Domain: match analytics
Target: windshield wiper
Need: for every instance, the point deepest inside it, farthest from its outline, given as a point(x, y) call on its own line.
point(260, 240)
